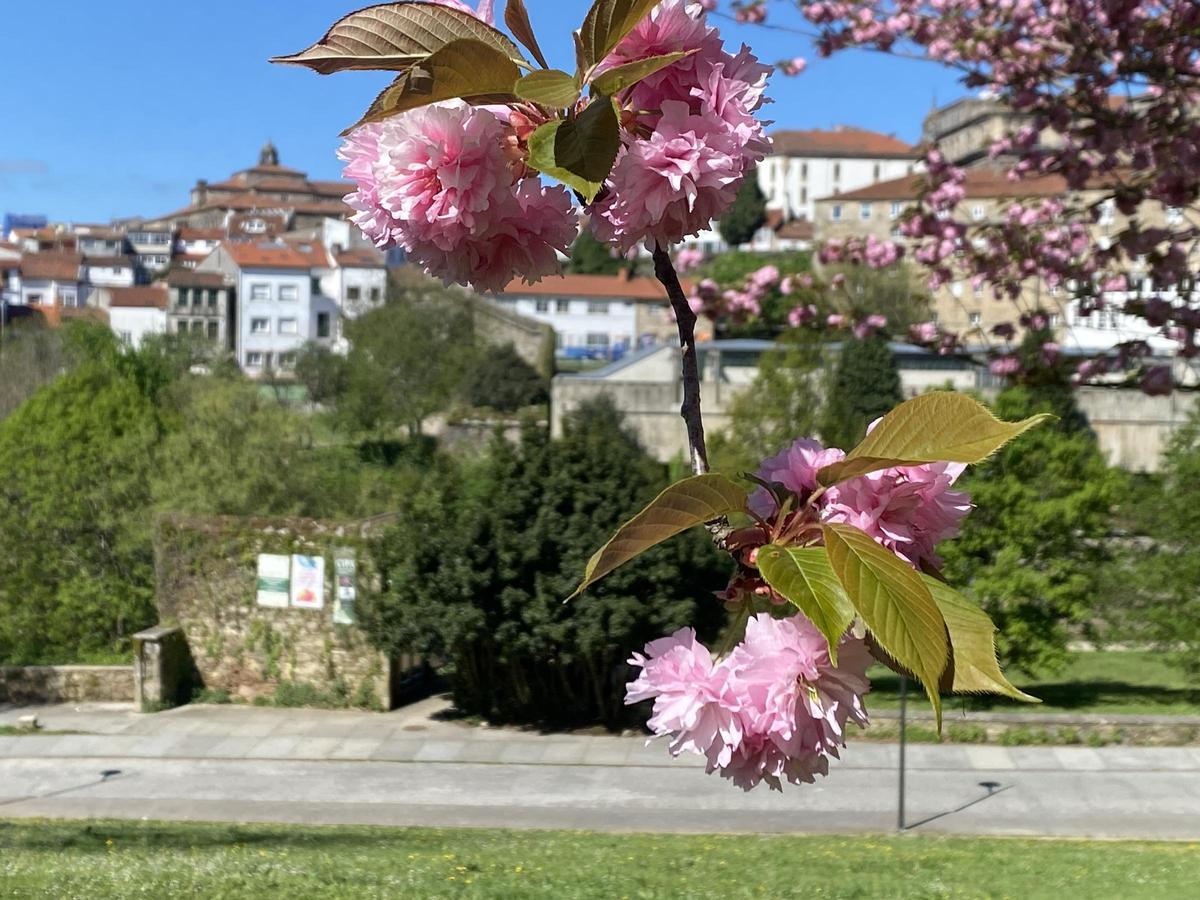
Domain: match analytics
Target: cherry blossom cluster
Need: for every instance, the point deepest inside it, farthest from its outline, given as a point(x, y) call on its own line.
point(1108, 92)
point(775, 708)
point(690, 135)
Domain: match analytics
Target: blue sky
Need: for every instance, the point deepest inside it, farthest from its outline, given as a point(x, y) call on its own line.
point(115, 109)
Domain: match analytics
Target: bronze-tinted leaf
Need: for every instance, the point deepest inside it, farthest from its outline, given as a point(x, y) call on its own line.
point(894, 604)
point(606, 23)
point(549, 87)
point(467, 69)
point(579, 152)
point(942, 426)
point(516, 17)
point(972, 645)
point(805, 577)
point(692, 501)
point(394, 36)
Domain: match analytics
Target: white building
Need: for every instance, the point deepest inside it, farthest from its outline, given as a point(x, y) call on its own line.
point(152, 246)
point(51, 279)
point(280, 306)
point(134, 312)
point(597, 316)
point(92, 240)
point(115, 271)
point(805, 165)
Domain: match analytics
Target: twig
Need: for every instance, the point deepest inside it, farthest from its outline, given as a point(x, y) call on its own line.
point(685, 320)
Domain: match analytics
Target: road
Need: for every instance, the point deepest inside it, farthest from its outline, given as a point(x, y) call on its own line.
point(245, 764)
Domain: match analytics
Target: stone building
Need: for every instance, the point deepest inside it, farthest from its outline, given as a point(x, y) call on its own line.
point(202, 303)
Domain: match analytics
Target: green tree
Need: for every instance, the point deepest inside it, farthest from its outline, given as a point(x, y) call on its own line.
point(478, 571)
point(1033, 549)
point(408, 360)
point(76, 575)
point(891, 292)
point(323, 373)
point(591, 257)
point(781, 404)
point(746, 215)
point(503, 381)
point(862, 384)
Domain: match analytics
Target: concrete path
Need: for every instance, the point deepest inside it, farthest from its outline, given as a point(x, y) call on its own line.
point(410, 768)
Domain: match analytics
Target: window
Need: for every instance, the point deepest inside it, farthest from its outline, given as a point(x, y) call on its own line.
point(322, 325)
point(977, 212)
point(894, 210)
point(213, 325)
point(837, 171)
point(197, 326)
point(197, 297)
point(864, 211)
point(287, 361)
point(68, 297)
point(212, 298)
point(267, 360)
point(597, 339)
point(561, 306)
point(288, 326)
point(289, 292)
point(254, 360)
point(375, 292)
point(181, 297)
point(260, 291)
point(975, 319)
point(126, 338)
point(353, 292)
point(542, 306)
point(835, 212)
point(260, 326)
point(597, 308)
point(803, 195)
point(254, 226)
point(804, 170)
point(875, 176)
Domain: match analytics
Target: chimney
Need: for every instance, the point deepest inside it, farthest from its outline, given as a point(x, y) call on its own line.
point(624, 273)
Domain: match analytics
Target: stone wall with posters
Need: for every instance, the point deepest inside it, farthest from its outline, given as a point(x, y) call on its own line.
point(255, 637)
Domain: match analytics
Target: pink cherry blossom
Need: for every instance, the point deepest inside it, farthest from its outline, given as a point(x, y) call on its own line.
point(688, 258)
point(795, 467)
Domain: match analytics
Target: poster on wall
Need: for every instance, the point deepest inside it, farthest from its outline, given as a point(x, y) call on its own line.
point(308, 581)
point(273, 582)
point(344, 571)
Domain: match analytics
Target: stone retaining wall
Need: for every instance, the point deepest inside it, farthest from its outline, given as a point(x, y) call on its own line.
point(66, 684)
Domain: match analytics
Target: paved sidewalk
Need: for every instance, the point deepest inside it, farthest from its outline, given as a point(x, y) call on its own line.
point(410, 767)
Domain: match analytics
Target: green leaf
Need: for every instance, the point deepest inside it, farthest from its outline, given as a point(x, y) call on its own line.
point(620, 77)
point(973, 648)
point(936, 427)
point(394, 36)
point(549, 87)
point(579, 152)
point(466, 68)
point(894, 603)
point(693, 501)
point(805, 577)
point(606, 23)
point(516, 17)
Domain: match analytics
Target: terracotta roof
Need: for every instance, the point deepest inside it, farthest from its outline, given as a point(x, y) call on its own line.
point(270, 256)
point(841, 141)
point(192, 278)
point(56, 315)
point(110, 262)
point(616, 287)
point(201, 234)
point(795, 230)
point(152, 226)
point(51, 266)
point(277, 170)
point(145, 297)
point(332, 188)
point(979, 183)
point(99, 234)
point(361, 259)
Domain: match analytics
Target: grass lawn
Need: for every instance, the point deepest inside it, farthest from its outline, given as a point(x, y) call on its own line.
point(122, 859)
point(1106, 681)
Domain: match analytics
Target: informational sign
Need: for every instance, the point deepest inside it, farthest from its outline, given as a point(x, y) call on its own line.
point(344, 571)
point(273, 579)
point(308, 581)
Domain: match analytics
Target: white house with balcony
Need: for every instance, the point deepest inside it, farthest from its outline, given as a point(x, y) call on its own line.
point(51, 279)
point(152, 246)
point(109, 271)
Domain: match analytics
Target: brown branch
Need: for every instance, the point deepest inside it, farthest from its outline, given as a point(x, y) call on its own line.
point(685, 320)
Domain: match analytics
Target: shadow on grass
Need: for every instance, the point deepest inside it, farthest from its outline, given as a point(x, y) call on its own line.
point(1065, 695)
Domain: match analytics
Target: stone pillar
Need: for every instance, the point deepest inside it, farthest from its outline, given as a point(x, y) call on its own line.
point(162, 668)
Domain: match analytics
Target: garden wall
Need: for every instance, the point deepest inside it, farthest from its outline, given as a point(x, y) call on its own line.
point(208, 580)
point(66, 684)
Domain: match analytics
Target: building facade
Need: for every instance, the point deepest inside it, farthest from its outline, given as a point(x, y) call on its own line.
point(201, 303)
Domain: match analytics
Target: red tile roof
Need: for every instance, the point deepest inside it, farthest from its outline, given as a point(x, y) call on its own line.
point(145, 297)
point(51, 266)
point(361, 259)
point(980, 183)
point(109, 262)
point(274, 256)
point(192, 278)
point(617, 287)
point(332, 188)
point(795, 230)
point(843, 141)
point(201, 234)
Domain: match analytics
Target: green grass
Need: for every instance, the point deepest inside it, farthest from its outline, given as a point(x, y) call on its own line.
point(1106, 681)
point(123, 859)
